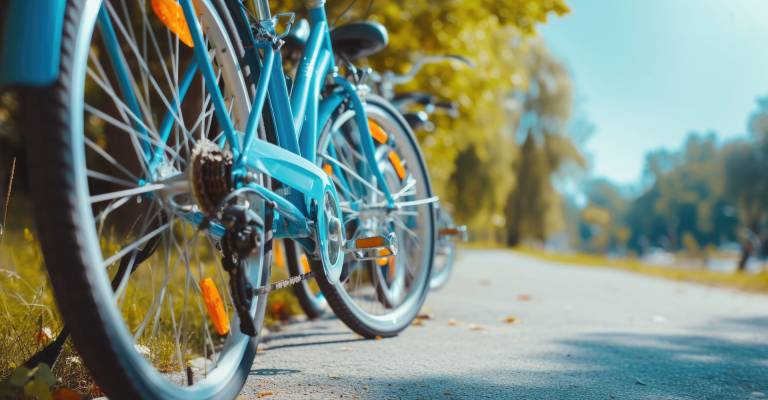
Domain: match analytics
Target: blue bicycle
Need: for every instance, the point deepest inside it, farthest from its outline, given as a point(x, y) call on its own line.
point(168, 150)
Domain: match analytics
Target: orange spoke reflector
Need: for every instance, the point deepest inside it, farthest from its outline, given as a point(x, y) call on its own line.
point(304, 263)
point(328, 169)
point(369, 242)
point(397, 163)
point(215, 306)
point(172, 16)
point(278, 256)
point(377, 132)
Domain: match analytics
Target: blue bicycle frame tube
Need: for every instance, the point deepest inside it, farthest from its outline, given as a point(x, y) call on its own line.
point(366, 141)
point(201, 54)
point(306, 73)
point(168, 119)
point(124, 77)
point(261, 93)
point(30, 49)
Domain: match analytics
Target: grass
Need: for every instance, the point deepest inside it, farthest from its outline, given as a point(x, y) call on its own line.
point(736, 280)
point(29, 317)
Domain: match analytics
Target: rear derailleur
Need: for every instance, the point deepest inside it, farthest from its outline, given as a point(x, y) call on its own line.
point(247, 234)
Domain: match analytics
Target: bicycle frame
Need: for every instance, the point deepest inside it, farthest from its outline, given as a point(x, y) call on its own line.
point(299, 117)
point(298, 121)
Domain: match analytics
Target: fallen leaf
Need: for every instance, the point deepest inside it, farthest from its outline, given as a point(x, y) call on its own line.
point(476, 327)
point(266, 393)
point(425, 316)
point(453, 322)
point(511, 319)
point(65, 394)
point(524, 297)
point(378, 338)
point(417, 322)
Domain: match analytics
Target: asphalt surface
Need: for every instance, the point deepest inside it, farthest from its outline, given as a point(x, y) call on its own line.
point(579, 333)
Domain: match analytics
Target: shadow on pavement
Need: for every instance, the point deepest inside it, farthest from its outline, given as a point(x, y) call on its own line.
point(272, 371)
point(298, 335)
point(311, 344)
point(732, 363)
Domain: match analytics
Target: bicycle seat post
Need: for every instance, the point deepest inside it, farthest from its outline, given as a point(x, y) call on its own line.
point(262, 8)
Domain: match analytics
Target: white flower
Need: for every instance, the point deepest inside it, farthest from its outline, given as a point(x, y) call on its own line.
point(141, 349)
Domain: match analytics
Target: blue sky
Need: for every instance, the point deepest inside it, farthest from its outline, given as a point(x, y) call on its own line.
point(648, 72)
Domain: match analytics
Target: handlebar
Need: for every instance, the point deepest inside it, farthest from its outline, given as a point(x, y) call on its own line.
point(395, 79)
point(429, 101)
point(388, 79)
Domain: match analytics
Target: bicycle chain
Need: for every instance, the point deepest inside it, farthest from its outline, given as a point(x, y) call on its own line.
point(284, 283)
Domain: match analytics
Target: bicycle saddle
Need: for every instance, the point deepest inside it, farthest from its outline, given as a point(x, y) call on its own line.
point(359, 39)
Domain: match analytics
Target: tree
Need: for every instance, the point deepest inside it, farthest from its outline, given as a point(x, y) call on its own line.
point(534, 208)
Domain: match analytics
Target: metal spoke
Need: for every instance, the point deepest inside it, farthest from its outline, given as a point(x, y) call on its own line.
point(109, 178)
point(126, 193)
point(109, 158)
point(127, 129)
point(134, 245)
point(146, 70)
point(352, 173)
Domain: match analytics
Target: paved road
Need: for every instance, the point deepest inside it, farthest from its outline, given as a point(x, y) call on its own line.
point(583, 333)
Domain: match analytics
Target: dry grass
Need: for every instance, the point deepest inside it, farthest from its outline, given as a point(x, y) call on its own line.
point(742, 281)
point(28, 311)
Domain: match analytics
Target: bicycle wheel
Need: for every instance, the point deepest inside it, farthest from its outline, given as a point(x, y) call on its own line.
point(381, 297)
point(111, 175)
point(311, 298)
point(445, 254)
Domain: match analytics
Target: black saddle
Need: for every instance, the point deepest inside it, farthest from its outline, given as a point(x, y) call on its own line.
point(351, 41)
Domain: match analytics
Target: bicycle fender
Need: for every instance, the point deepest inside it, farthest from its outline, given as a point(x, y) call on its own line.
point(31, 42)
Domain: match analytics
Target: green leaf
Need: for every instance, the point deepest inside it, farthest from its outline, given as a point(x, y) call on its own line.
point(43, 373)
point(38, 390)
point(19, 376)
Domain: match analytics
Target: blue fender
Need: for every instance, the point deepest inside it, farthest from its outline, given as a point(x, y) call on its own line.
point(31, 42)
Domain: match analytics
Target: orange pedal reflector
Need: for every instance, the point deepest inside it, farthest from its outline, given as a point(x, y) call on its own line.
point(391, 269)
point(397, 163)
point(377, 132)
point(328, 168)
point(172, 16)
point(215, 306)
point(304, 263)
point(370, 242)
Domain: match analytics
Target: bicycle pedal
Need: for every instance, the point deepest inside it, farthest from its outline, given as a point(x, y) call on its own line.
point(450, 232)
point(372, 247)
